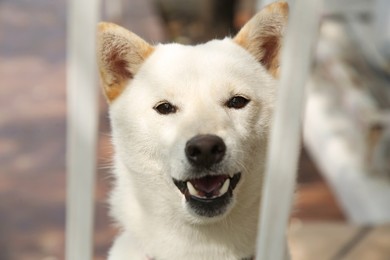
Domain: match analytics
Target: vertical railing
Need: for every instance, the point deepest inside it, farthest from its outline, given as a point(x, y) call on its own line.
point(285, 138)
point(82, 117)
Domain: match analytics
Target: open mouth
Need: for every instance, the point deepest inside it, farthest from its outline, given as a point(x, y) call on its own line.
point(210, 195)
point(209, 187)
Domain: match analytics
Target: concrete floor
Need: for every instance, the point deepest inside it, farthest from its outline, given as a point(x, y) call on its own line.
point(338, 241)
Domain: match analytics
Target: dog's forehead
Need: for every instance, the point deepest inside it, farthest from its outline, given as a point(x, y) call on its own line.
point(219, 68)
point(213, 59)
point(215, 70)
point(192, 55)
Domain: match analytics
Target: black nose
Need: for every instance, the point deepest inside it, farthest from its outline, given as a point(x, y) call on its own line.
point(204, 151)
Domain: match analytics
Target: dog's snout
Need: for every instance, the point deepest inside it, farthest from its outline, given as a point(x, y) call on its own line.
point(205, 150)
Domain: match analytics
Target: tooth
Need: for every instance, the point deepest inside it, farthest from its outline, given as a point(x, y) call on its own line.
point(224, 187)
point(191, 189)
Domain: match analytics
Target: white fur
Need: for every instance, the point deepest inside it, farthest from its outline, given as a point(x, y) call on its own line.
point(150, 151)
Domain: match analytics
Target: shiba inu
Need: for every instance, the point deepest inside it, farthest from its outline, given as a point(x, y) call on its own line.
point(190, 127)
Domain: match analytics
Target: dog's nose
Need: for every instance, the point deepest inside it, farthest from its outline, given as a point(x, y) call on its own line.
point(205, 150)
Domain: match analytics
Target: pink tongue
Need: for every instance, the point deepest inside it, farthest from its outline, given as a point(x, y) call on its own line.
point(209, 183)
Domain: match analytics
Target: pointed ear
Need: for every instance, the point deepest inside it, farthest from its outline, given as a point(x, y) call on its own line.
point(120, 53)
point(262, 35)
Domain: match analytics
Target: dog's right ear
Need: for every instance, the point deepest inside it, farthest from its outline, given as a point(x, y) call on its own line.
point(120, 53)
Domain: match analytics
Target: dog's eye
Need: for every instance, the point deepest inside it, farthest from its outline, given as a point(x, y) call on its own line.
point(165, 108)
point(237, 102)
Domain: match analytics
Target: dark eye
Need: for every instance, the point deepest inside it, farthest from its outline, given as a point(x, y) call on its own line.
point(237, 102)
point(165, 108)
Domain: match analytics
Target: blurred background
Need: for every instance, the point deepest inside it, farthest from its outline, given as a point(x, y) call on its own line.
point(350, 79)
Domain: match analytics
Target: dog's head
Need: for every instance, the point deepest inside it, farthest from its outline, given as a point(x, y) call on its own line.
point(193, 119)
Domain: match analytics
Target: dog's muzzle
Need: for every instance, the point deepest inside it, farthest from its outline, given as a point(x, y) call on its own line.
point(207, 195)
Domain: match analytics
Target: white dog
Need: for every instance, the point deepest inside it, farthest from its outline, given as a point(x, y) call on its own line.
point(190, 127)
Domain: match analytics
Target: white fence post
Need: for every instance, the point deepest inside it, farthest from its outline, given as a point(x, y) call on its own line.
point(284, 145)
point(82, 118)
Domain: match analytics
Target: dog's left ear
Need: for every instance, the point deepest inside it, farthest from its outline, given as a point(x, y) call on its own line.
point(262, 35)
